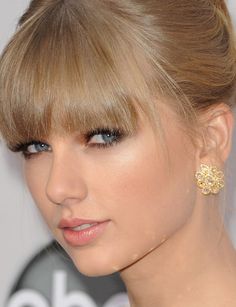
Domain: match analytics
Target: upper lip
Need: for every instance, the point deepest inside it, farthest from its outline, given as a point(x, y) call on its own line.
point(75, 222)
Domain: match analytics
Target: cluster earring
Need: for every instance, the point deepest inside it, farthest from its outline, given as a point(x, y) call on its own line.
point(209, 179)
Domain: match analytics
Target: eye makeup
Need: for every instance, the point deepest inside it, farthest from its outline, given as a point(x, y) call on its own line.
point(109, 137)
point(97, 138)
point(30, 148)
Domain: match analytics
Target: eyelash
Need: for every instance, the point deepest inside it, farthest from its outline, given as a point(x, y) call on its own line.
point(114, 132)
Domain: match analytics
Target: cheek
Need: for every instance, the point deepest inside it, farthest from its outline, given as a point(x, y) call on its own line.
point(145, 201)
point(143, 184)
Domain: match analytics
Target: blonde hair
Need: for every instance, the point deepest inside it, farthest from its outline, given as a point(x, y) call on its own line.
point(74, 64)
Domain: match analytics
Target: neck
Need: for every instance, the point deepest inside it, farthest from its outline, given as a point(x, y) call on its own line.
point(197, 260)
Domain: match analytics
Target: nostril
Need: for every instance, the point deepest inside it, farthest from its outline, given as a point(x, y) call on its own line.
point(66, 188)
point(55, 195)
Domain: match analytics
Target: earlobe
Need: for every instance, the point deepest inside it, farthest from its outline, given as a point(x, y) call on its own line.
point(217, 123)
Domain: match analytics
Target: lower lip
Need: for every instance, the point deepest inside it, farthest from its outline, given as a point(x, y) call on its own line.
point(85, 236)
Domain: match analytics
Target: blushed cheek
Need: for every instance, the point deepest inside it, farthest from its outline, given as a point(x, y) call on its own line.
point(144, 202)
point(138, 176)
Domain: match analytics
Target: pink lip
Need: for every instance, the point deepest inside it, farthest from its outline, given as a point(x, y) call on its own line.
point(75, 222)
point(81, 237)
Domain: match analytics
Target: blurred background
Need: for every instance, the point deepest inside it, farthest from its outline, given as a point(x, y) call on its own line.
point(35, 272)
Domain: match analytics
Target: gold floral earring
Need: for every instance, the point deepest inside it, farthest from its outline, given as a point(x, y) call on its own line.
point(209, 179)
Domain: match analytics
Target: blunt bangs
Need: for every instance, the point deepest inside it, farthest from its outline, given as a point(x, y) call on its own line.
point(59, 73)
point(78, 64)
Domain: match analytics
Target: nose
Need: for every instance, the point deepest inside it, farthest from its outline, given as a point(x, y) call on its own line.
point(65, 184)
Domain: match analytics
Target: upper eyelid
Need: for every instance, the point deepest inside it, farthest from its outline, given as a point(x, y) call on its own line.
point(113, 132)
point(24, 146)
point(87, 136)
point(102, 131)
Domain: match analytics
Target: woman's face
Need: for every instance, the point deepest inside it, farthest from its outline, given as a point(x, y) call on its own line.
point(109, 207)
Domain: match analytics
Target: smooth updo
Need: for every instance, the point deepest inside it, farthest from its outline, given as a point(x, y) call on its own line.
point(77, 64)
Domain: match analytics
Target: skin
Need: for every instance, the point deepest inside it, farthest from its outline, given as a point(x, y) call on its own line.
point(158, 217)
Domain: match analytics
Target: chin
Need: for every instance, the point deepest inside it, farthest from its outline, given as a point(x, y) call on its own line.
point(94, 262)
point(94, 267)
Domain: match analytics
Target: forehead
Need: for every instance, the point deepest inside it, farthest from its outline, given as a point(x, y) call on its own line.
point(45, 91)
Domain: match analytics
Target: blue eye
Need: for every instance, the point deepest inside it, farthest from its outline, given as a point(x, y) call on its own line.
point(100, 138)
point(103, 137)
point(36, 147)
point(32, 148)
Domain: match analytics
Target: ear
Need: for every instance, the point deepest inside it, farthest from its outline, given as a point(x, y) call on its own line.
point(216, 125)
